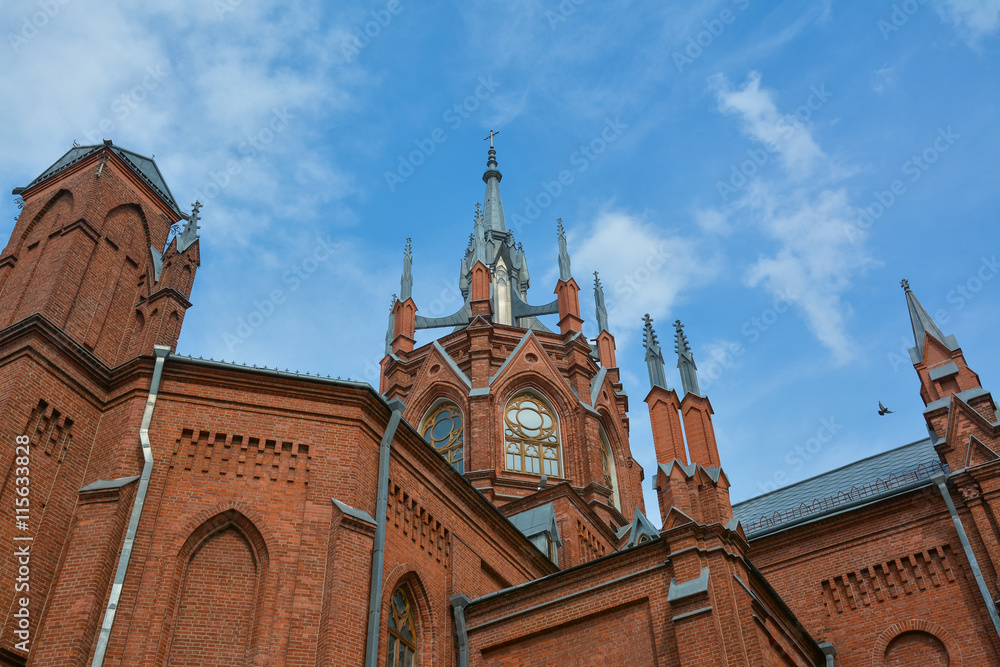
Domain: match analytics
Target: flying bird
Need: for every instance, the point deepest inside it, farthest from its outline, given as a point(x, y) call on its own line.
point(882, 410)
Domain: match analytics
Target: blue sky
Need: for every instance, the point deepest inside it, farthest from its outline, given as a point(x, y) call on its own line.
point(721, 155)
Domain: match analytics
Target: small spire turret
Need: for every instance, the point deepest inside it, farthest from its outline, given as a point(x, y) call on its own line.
point(390, 333)
point(564, 265)
point(685, 361)
point(406, 281)
point(602, 311)
point(922, 321)
point(189, 234)
point(654, 357)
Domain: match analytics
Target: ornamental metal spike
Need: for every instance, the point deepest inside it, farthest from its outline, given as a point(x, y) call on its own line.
point(654, 357)
point(564, 265)
point(406, 281)
point(602, 311)
point(685, 361)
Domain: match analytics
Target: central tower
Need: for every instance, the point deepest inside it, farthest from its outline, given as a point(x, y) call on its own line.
point(533, 418)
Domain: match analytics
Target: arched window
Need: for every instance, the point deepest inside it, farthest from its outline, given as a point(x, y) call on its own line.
point(531, 431)
point(610, 474)
point(443, 428)
point(402, 650)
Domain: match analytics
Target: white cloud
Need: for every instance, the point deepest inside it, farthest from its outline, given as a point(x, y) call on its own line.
point(643, 266)
point(883, 78)
point(972, 19)
point(781, 133)
point(815, 261)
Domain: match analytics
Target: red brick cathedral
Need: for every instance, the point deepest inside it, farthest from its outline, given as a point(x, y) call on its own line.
point(482, 507)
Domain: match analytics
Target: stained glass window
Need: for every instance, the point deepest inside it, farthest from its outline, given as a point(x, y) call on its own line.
point(402, 650)
point(531, 432)
point(608, 462)
point(443, 428)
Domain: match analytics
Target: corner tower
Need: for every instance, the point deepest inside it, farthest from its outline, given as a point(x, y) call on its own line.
point(961, 415)
point(89, 255)
point(532, 417)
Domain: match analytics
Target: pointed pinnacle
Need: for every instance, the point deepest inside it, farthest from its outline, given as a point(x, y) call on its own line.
point(681, 345)
point(905, 284)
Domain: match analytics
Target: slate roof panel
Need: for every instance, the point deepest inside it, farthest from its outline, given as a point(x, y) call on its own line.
point(919, 455)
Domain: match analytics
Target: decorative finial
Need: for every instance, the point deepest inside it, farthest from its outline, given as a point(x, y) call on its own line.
point(564, 265)
point(492, 134)
point(189, 234)
point(406, 281)
point(685, 361)
point(76, 144)
point(905, 284)
point(602, 311)
point(654, 357)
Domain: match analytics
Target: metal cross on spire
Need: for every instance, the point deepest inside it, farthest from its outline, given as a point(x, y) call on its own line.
point(492, 134)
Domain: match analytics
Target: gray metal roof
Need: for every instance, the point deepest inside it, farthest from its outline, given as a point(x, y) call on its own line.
point(143, 166)
point(537, 520)
point(830, 492)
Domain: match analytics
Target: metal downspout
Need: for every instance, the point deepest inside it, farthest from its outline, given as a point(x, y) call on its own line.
point(941, 481)
point(378, 549)
point(161, 351)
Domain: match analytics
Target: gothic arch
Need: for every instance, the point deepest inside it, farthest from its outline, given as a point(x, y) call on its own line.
point(404, 575)
point(446, 404)
point(531, 403)
point(917, 628)
point(443, 389)
point(231, 539)
point(59, 197)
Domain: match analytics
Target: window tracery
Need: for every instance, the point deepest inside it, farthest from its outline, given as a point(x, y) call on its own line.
point(444, 429)
point(531, 432)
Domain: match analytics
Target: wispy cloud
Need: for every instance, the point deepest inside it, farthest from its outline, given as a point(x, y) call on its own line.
point(972, 19)
point(643, 266)
point(814, 263)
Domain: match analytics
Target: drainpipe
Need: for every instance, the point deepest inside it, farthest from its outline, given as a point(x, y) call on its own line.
point(458, 604)
point(161, 351)
point(378, 549)
point(941, 481)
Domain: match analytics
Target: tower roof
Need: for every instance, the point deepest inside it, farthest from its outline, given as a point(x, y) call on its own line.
point(493, 219)
point(144, 167)
point(923, 323)
point(685, 361)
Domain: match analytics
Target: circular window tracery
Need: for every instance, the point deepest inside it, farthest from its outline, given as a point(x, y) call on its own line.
point(531, 433)
point(444, 429)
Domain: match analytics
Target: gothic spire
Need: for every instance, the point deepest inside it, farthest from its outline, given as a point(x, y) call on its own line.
point(685, 361)
point(921, 320)
point(390, 333)
point(189, 234)
point(492, 206)
point(654, 357)
point(602, 311)
point(406, 281)
point(564, 266)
